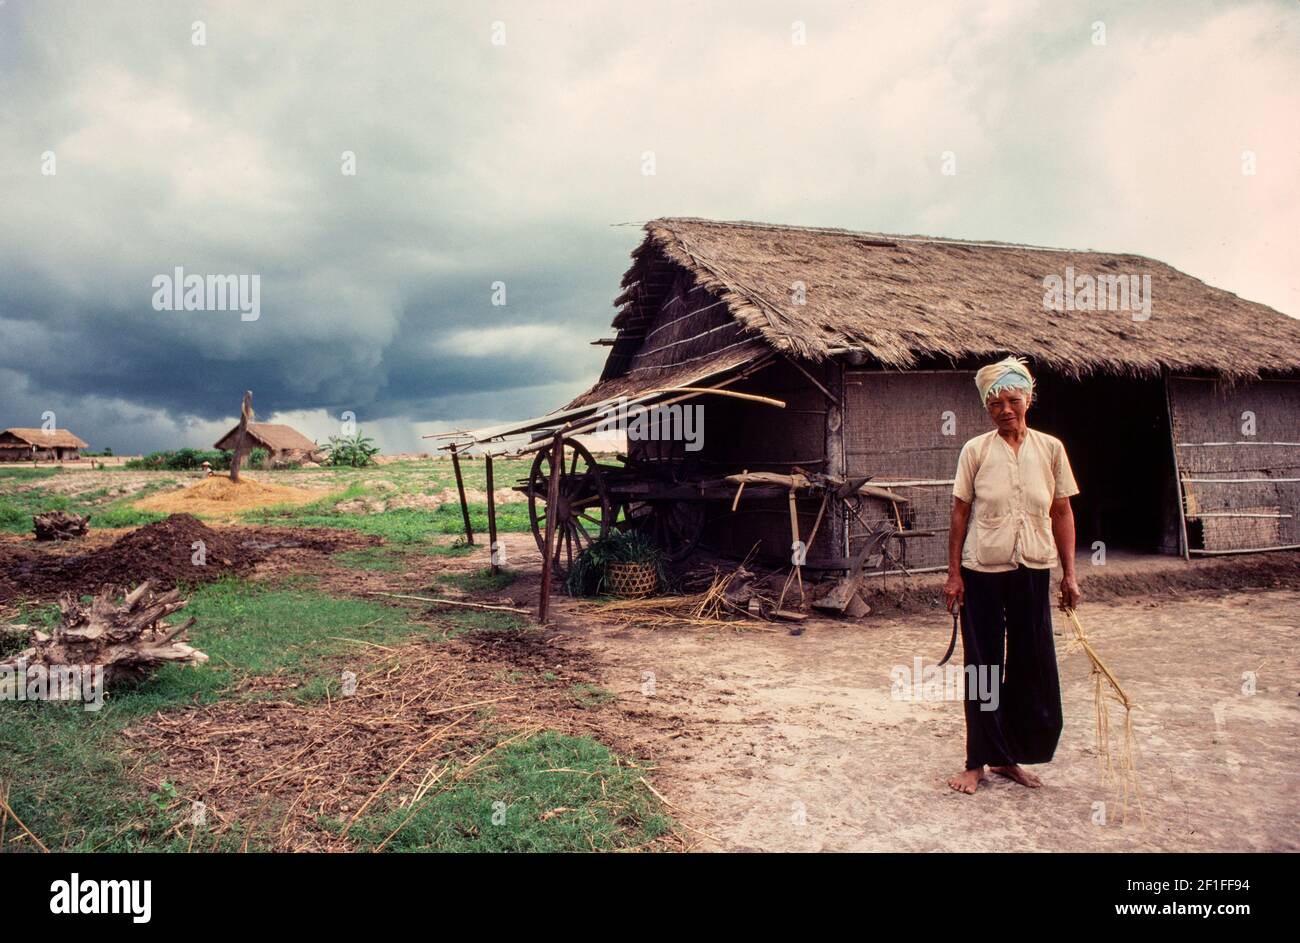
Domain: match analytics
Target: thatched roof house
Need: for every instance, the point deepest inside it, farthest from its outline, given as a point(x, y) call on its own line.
point(1146, 373)
point(819, 293)
point(280, 441)
point(26, 445)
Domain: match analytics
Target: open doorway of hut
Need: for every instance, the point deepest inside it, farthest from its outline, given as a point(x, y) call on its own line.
point(1116, 433)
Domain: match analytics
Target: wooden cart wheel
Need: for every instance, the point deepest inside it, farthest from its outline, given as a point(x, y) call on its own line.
point(582, 512)
point(675, 527)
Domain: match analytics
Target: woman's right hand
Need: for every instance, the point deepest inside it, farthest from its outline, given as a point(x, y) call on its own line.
point(954, 592)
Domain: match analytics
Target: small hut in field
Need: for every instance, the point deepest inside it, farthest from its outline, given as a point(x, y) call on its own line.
point(40, 445)
point(1178, 403)
point(282, 443)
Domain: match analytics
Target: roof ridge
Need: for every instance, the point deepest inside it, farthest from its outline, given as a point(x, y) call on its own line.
point(853, 233)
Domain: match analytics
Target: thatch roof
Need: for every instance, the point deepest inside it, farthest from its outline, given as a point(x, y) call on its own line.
point(899, 299)
point(52, 439)
point(273, 436)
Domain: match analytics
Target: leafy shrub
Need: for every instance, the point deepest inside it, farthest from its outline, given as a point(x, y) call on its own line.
point(188, 459)
point(356, 451)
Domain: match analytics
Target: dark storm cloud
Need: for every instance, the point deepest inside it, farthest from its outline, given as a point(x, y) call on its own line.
point(478, 163)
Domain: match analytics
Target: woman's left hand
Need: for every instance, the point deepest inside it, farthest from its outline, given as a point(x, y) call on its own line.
point(1070, 593)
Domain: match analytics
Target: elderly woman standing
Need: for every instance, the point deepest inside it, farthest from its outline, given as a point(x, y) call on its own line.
point(1016, 483)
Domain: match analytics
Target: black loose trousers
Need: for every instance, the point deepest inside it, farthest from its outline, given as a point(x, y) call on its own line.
point(1010, 614)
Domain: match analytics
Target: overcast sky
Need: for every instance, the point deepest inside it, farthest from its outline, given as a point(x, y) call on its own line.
point(505, 142)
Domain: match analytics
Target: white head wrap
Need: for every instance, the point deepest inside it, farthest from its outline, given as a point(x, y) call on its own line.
point(1009, 374)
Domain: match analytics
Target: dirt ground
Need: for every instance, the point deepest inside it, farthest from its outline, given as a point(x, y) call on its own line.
point(772, 742)
point(764, 741)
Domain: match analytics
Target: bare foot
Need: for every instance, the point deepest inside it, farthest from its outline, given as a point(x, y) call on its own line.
point(967, 780)
point(1019, 774)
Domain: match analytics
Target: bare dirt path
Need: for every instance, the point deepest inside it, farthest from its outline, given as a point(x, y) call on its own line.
point(773, 742)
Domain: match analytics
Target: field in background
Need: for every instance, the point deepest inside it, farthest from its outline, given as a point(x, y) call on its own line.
point(404, 501)
point(527, 755)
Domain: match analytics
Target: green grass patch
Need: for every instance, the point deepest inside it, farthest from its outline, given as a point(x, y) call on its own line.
point(252, 629)
point(26, 474)
point(70, 783)
point(381, 559)
point(124, 516)
point(466, 621)
point(586, 694)
point(398, 525)
point(19, 504)
point(478, 581)
point(391, 558)
point(11, 643)
point(548, 793)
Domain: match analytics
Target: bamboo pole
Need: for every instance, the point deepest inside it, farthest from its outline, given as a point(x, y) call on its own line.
point(460, 488)
point(577, 427)
point(794, 537)
point(731, 394)
point(448, 602)
point(552, 499)
point(739, 491)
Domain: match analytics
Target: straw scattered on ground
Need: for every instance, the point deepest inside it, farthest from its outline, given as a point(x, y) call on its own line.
point(219, 497)
point(422, 719)
point(710, 609)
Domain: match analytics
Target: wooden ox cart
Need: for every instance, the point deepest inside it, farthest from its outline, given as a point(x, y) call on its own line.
point(665, 499)
point(665, 494)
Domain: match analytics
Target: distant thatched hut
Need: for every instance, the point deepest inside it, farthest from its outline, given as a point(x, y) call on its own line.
point(282, 443)
point(40, 445)
point(1179, 403)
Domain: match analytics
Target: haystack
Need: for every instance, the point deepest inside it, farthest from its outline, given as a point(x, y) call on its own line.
point(218, 496)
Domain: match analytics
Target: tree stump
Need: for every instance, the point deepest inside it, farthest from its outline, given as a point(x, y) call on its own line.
point(59, 525)
point(127, 638)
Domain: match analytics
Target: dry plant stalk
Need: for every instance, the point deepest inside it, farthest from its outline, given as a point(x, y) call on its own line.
point(128, 638)
point(709, 609)
point(1105, 688)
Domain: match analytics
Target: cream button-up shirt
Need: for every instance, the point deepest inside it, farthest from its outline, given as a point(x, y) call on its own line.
point(1011, 498)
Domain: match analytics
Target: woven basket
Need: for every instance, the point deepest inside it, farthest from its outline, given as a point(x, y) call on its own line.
point(631, 580)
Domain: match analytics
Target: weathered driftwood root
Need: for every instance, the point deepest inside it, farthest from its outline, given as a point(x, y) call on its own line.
point(127, 638)
point(59, 525)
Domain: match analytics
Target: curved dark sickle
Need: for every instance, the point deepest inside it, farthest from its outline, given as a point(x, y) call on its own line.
point(952, 644)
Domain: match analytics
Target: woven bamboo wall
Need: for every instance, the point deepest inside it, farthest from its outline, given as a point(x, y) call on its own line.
point(911, 426)
point(1212, 442)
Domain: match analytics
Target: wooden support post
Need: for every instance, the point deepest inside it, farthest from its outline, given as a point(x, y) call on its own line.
point(460, 488)
point(552, 498)
point(1184, 545)
point(493, 549)
point(836, 459)
point(794, 540)
point(241, 440)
